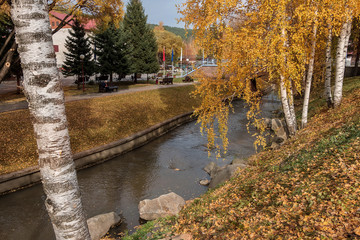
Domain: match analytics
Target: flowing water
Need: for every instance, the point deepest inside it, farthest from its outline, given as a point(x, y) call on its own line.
point(171, 163)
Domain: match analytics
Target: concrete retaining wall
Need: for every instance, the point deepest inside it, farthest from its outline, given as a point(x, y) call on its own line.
point(29, 176)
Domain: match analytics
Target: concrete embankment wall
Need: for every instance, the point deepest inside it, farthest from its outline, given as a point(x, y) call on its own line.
point(29, 176)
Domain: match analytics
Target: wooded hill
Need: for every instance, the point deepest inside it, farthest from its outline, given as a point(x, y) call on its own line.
point(184, 34)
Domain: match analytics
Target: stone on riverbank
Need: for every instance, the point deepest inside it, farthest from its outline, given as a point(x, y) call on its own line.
point(211, 168)
point(280, 133)
point(204, 182)
point(166, 205)
point(100, 224)
point(221, 175)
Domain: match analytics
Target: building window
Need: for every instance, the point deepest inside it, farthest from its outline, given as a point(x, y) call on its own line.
point(57, 23)
point(53, 24)
point(56, 48)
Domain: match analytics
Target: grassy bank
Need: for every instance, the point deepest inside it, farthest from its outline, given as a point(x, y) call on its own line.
point(93, 122)
point(72, 90)
point(307, 189)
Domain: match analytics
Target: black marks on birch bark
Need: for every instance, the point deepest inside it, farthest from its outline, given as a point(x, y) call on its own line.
point(38, 65)
point(55, 88)
point(28, 38)
point(27, 2)
point(41, 80)
point(19, 23)
point(32, 16)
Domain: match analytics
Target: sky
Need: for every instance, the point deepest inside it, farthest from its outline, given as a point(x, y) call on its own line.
point(162, 10)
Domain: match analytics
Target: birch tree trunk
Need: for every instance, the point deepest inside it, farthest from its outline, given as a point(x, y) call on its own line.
point(289, 118)
point(46, 104)
point(328, 61)
point(308, 79)
point(292, 107)
point(340, 61)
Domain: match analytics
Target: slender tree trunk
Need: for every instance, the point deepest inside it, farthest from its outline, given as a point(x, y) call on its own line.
point(135, 77)
point(289, 118)
point(46, 104)
point(291, 106)
point(309, 78)
point(11, 35)
point(18, 85)
point(9, 58)
point(289, 115)
point(357, 58)
point(328, 60)
point(340, 61)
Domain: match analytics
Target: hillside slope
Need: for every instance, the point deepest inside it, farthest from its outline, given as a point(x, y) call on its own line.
point(307, 189)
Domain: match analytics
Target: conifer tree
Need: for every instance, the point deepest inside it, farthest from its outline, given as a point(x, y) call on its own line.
point(111, 51)
point(141, 39)
point(152, 64)
point(77, 44)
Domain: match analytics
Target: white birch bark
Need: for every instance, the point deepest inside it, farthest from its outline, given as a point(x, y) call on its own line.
point(309, 79)
point(328, 61)
point(289, 118)
point(292, 107)
point(340, 61)
point(46, 104)
point(289, 113)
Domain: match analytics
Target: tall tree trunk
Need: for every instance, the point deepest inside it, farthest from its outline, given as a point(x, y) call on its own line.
point(292, 107)
point(308, 79)
point(328, 61)
point(340, 61)
point(289, 118)
point(357, 58)
point(46, 104)
point(135, 77)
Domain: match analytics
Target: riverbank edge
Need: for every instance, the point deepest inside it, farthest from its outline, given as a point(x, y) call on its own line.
point(29, 176)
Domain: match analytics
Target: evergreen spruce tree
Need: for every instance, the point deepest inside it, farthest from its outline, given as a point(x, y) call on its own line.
point(151, 60)
point(77, 44)
point(111, 51)
point(141, 39)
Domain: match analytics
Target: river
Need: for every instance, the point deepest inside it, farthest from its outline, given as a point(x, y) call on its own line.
point(171, 163)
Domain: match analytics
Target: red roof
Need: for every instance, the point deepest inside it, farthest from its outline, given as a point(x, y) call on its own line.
point(89, 25)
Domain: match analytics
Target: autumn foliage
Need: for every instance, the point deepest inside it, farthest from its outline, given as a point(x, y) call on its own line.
point(283, 40)
point(308, 189)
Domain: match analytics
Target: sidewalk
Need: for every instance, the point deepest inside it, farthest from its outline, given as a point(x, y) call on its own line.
point(10, 86)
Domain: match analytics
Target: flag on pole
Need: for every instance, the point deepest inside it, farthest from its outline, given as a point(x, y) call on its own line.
point(181, 56)
point(164, 54)
point(172, 55)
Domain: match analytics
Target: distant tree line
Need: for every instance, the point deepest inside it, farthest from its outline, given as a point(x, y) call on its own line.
point(127, 47)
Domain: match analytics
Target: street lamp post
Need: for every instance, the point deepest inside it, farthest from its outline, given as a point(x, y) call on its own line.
point(82, 67)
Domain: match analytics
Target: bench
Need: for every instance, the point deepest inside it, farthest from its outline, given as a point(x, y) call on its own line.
point(166, 80)
point(102, 88)
point(159, 75)
point(188, 79)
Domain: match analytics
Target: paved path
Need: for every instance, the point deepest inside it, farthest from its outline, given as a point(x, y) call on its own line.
point(10, 86)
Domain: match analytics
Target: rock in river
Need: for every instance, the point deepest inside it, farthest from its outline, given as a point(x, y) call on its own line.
point(166, 205)
point(100, 224)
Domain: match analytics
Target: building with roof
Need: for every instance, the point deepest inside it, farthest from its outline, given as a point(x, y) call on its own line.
point(60, 36)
